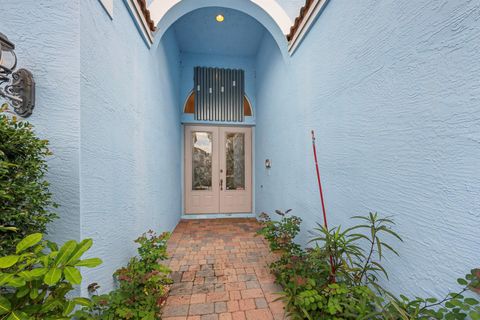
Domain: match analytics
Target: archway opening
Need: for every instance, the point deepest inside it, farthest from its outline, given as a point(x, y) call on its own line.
point(233, 37)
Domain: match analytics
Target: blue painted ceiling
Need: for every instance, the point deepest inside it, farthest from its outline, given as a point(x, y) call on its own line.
point(199, 32)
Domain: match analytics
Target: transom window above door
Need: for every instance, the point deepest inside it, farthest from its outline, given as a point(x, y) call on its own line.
point(190, 105)
point(218, 96)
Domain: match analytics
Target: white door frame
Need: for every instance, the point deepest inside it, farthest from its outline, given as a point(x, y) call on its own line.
point(251, 214)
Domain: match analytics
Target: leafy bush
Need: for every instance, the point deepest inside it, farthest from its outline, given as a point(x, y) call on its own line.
point(25, 200)
point(280, 234)
point(454, 305)
point(142, 285)
point(337, 278)
point(152, 248)
point(36, 280)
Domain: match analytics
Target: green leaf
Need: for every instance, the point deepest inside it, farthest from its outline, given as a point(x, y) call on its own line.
point(389, 248)
point(52, 246)
point(462, 282)
point(73, 275)
point(5, 305)
point(29, 241)
point(69, 308)
point(22, 292)
point(379, 247)
point(471, 301)
point(16, 282)
point(25, 275)
point(34, 291)
point(5, 278)
point(17, 315)
point(390, 231)
point(474, 315)
point(53, 276)
point(65, 252)
point(89, 263)
point(83, 246)
point(3, 228)
point(379, 266)
point(83, 301)
point(38, 272)
point(8, 261)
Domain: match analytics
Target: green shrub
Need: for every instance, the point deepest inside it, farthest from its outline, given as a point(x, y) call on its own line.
point(455, 305)
point(142, 285)
point(25, 200)
point(314, 289)
point(281, 234)
point(35, 282)
point(152, 248)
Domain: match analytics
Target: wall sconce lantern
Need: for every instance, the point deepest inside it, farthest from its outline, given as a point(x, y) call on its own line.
point(16, 86)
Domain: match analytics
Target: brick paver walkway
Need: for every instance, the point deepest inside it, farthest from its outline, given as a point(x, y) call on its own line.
point(220, 271)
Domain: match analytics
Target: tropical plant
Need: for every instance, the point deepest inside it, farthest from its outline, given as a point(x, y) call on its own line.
point(455, 305)
point(36, 281)
point(142, 285)
point(351, 261)
point(337, 278)
point(25, 200)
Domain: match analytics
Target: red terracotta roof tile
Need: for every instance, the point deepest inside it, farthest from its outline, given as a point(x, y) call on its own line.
point(146, 14)
point(299, 19)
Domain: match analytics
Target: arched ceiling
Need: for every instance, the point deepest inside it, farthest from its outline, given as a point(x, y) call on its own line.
point(158, 9)
point(198, 32)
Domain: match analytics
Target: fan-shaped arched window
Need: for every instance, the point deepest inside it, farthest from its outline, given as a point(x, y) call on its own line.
point(190, 105)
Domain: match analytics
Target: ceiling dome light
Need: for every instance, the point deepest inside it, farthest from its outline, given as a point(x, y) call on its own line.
point(219, 18)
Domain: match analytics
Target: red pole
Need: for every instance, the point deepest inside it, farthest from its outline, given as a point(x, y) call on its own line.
point(321, 199)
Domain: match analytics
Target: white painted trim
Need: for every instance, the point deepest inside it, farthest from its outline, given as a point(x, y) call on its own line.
point(182, 167)
point(315, 9)
point(276, 11)
point(158, 9)
point(254, 193)
point(140, 21)
point(108, 7)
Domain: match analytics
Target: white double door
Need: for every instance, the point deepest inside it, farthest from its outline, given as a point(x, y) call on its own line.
point(218, 169)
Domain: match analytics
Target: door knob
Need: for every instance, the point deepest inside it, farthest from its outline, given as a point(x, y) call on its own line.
point(221, 184)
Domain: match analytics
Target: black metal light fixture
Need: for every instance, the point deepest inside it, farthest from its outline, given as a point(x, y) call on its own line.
point(16, 86)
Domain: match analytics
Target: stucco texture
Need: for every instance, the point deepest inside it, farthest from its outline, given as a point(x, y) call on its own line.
point(391, 89)
point(47, 38)
point(130, 141)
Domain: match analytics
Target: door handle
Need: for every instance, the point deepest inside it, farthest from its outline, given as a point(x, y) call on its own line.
point(221, 184)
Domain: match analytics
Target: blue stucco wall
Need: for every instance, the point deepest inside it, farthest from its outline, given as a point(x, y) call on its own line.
point(392, 90)
point(47, 38)
point(130, 136)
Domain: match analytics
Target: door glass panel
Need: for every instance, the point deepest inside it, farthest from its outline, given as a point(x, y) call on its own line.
point(202, 160)
point(235, 156)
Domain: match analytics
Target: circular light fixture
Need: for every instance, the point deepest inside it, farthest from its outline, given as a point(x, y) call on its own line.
point(220, 18)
